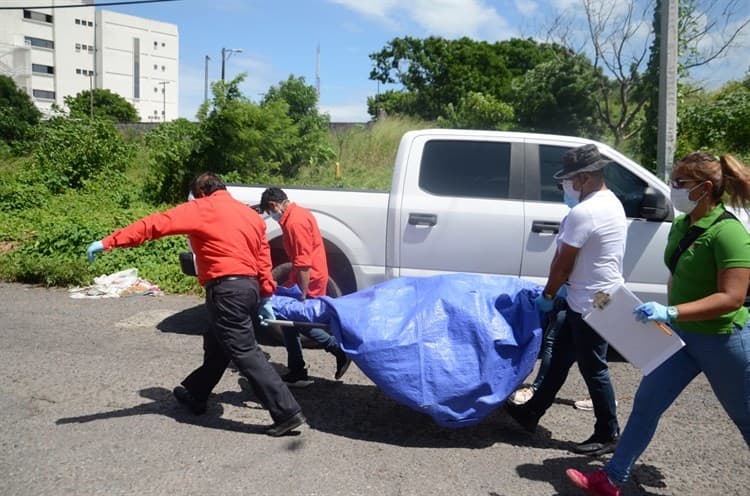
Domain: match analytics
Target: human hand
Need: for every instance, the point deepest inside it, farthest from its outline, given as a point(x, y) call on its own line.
point(542, 304)
point(265, 311)
point(651, 311)
point(94, 248)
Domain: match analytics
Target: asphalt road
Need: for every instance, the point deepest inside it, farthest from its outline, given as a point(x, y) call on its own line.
point(86, 408)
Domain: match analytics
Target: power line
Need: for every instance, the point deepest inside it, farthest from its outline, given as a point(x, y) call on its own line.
point(100, 4)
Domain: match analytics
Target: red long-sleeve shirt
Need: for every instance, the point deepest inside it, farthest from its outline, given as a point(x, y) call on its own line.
point(304, 247)
point(227, 237)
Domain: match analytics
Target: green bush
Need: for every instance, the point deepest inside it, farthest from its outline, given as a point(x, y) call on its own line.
point(70, 152)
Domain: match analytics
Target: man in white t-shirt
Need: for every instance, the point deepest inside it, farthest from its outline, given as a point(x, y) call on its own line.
point(591, 247)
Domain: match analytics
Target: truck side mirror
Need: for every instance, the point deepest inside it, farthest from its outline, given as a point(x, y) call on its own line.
point(656, 207)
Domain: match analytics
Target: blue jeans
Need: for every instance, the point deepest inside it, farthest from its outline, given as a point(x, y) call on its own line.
point(575, 342)
point(724, 358)
point(554, 322)
point(294, 345)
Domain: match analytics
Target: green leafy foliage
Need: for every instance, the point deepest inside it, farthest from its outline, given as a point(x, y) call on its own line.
point(171, 147)
point(477, 111)
point(18, 115)
point(106, 105)
point(718, 122)
point(69, 152)
point(436, 72)
point(556, 96)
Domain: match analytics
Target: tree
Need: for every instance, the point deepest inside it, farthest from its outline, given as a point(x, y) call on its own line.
point(312, 127)
point(436, 72)
point(477, 111)
point(557, 97)
point(694, 27)
point(619, 36)
point(18, 115)
point(719, 122)
point(107, 105)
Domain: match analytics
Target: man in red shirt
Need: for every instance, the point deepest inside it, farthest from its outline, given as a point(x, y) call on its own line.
point(234, 265)
point(304, 247)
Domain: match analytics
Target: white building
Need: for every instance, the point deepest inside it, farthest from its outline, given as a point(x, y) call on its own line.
point(56, 52)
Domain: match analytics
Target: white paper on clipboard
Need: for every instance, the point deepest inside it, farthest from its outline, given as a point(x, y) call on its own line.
point(644, 345)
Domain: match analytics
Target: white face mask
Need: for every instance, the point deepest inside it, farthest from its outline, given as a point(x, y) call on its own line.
point(570, 196)
point(681, 199)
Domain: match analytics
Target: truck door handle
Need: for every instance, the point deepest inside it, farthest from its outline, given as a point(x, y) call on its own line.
point(542, 226)
point(422, 219)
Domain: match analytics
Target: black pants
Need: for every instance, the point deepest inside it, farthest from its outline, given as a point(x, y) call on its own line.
point(231, 306)
point(575, 342)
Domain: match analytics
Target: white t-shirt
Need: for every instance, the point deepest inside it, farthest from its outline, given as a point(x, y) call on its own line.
point(597, 226)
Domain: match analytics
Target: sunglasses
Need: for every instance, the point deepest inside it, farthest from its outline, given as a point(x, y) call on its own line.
point(677, 183)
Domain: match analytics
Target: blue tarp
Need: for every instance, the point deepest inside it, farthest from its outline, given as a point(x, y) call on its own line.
point(453, 346)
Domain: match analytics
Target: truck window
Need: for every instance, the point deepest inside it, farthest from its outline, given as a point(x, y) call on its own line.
point(628, 187)
point(476, 169)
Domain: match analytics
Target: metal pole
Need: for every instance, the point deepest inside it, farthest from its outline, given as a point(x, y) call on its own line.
point(223, 62)
point(667, 132)
point(205, 82)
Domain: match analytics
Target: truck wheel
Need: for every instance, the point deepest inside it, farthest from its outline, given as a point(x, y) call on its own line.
point(280, 274)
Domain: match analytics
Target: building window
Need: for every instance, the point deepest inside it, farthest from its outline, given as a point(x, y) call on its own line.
point(162, 68)
point(156, 66)
point(91, 48)
point(37, 16)
point(78, 21)
point(39, 42)
point(90, 24)
point(78, 71)
point(163, 44)
point(156, 44)
point(47, 95)
point(78, 47)
point(136, 67)
point(42, 69)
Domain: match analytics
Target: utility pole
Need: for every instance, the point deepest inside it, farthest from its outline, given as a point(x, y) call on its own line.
point(667, 132)
point(205, 81)
point(225, 54)
point(164, 99)
point(317, 73)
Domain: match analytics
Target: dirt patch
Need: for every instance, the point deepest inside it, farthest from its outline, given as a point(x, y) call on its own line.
point(7, 247)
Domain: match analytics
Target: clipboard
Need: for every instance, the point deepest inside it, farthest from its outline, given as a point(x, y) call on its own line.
point(645, 345)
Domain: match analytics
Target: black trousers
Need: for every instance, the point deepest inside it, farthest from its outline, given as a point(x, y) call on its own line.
point(231, 306)
point(575, 342)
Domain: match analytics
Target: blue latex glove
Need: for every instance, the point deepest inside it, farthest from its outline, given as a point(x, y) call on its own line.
point(266, 311)
point(651, 310)
point(542, 304)
point(562, 292)
point(93, 249)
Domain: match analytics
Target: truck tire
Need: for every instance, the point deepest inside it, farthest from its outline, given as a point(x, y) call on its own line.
point(280, 274)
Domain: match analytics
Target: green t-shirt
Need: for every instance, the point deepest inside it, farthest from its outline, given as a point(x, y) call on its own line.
point(725, 245)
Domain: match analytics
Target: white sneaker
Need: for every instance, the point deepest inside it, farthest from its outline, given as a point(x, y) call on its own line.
point(586, 405)
point(521, 395)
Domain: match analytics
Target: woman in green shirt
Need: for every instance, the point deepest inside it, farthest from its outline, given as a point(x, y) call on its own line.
point(707, 290)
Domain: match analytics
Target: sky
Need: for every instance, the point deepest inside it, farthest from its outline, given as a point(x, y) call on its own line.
point(279, 38)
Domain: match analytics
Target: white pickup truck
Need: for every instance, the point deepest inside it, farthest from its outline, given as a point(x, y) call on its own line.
point(473, 201)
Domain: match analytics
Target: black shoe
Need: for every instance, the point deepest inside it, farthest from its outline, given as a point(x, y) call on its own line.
point(297, 378)
point(342, 363)
point(596, 445)
point(522, 416)
point(281, 428)
point(186, 398)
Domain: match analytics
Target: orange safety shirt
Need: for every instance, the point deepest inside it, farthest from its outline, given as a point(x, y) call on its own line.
point(227, 237)
point(304, 247)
